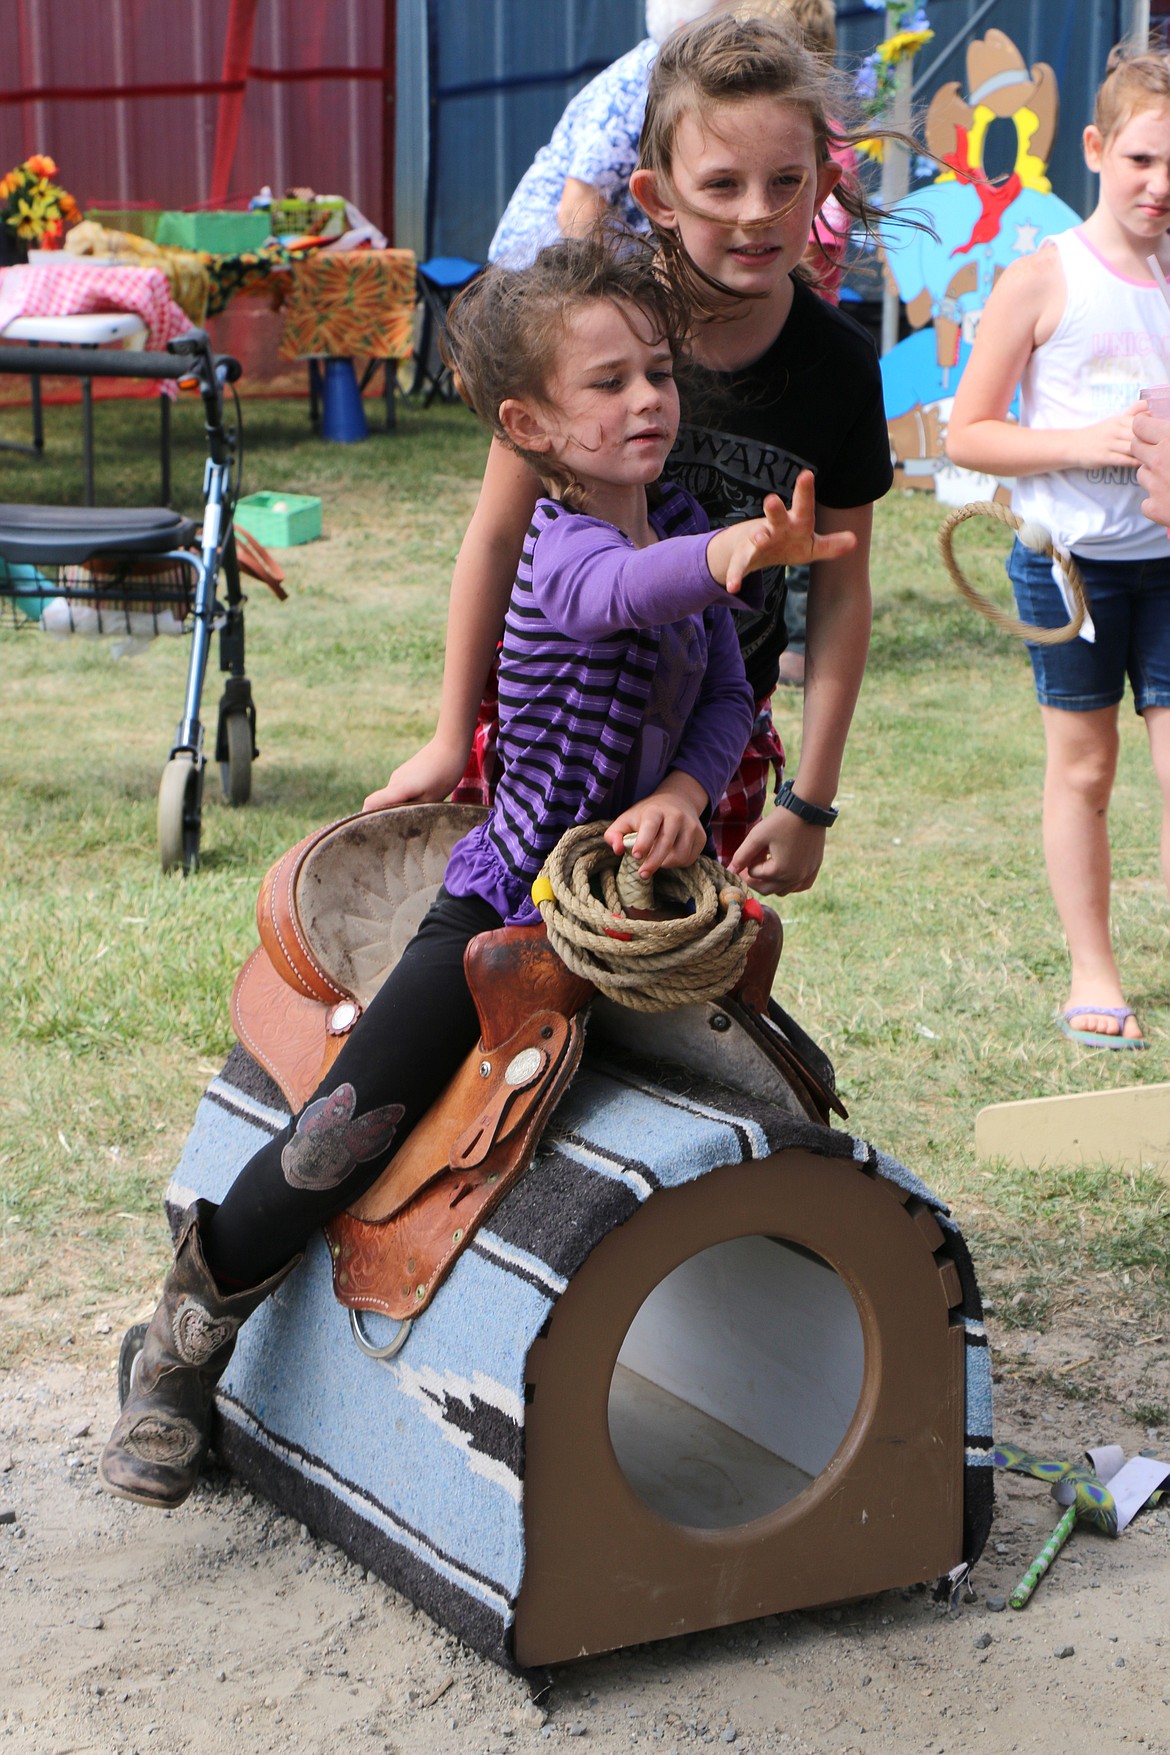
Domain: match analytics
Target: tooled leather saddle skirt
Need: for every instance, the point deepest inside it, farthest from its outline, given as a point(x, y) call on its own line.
point(334, 915)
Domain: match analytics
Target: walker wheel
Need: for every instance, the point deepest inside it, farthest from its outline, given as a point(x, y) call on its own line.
point(236, 771)
point(180, 814)
point(132, 1344)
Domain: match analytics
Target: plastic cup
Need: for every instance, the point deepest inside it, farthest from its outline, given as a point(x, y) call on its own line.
point(1157, 400)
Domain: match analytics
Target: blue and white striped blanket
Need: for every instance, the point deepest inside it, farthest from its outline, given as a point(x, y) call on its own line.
point(415, 1465)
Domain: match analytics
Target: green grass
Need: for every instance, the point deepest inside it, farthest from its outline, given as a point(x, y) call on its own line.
point(927, 958)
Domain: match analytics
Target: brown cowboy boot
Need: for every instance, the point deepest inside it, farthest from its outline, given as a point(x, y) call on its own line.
point(156, 1448)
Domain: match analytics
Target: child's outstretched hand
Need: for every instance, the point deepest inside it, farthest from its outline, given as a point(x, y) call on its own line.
point(784, 536)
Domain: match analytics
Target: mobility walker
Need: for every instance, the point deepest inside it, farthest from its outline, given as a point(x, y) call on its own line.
point(149, 570)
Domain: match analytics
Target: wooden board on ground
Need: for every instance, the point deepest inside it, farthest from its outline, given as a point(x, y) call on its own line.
point(1125, 1129)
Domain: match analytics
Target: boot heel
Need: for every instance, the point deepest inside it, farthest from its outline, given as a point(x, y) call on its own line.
point(132, 1344)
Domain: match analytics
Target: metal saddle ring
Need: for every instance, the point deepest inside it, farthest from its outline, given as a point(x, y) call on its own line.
point(393, 1346)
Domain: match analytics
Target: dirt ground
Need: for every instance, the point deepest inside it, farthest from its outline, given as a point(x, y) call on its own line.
point(224, 1626)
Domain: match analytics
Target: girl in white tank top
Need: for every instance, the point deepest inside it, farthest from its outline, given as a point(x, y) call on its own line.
point(1081, 327)
point(1112, 340)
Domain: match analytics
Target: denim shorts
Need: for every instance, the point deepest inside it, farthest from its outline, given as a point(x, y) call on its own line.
point(1130, 605)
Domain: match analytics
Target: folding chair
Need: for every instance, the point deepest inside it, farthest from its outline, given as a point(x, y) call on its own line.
point(438, 282)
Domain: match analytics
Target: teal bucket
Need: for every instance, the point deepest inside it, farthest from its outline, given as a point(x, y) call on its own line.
point(24, 585)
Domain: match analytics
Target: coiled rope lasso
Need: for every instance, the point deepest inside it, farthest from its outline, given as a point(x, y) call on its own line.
point(1033, 536)
point(584, 892)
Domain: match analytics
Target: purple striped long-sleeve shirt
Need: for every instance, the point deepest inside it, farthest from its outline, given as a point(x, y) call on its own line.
point(581, 646)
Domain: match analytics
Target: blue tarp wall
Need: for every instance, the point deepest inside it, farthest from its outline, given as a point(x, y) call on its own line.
point(481, 84)
point(494, 77)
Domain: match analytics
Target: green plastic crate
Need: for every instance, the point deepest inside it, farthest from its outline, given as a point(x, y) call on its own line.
point(280, 520)
point(223, 234)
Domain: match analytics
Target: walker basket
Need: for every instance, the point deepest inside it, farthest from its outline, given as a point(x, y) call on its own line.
point(117, 596)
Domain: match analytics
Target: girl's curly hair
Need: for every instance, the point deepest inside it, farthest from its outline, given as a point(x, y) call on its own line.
point(505, 329)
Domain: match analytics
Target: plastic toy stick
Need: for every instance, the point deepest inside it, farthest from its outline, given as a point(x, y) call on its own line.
point(1064, 1529)
point(1155, 268)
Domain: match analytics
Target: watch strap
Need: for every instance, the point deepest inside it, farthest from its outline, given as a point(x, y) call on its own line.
point(822, 816)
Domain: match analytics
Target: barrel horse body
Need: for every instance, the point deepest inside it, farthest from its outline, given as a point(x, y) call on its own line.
point(708, 1358)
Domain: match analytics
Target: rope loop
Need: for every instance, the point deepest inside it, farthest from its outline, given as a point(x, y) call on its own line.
point(584, 894)
point(1033, 536)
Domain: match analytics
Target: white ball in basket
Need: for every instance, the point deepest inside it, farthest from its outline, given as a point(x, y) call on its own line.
point(1034, 536)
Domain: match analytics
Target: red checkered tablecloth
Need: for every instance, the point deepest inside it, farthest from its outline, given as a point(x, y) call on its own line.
point(74, 289)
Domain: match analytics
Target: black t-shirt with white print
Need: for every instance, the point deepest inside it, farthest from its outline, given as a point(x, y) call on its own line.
point(813, 401)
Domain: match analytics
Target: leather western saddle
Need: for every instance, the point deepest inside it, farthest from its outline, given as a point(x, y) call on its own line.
point(336, 912)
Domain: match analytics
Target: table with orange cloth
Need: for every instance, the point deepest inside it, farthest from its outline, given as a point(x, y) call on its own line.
point(352, 304)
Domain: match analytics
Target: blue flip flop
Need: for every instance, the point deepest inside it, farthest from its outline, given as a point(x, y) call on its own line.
point(1095, 1038)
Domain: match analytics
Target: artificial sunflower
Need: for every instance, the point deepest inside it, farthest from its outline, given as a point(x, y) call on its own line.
point(33, 208)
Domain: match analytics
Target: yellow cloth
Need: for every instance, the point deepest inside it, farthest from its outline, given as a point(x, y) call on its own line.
point(187, 272)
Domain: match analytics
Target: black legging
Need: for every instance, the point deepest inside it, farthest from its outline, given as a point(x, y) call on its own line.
point(419, 1028)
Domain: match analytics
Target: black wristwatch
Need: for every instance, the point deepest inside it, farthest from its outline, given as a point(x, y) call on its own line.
point(823, 816)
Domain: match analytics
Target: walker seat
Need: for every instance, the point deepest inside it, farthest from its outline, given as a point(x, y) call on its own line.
point(138, 572)
point(708, 1359)
point(69, 535)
